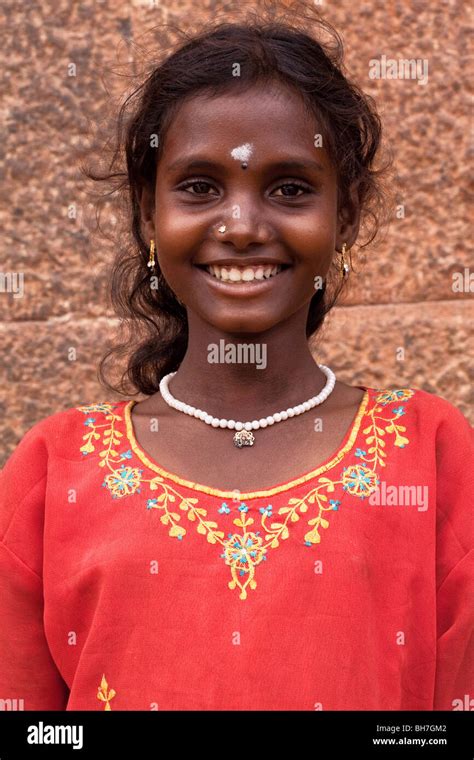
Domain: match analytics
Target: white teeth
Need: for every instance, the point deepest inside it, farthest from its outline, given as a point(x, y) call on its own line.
point(234, 275)
point(246, 274)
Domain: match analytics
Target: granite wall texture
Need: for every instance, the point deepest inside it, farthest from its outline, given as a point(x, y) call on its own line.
point(402, 296)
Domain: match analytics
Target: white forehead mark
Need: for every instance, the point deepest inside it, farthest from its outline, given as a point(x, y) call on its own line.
point(243, 152)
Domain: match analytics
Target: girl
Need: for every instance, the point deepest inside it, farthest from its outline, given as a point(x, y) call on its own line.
point(255, 534)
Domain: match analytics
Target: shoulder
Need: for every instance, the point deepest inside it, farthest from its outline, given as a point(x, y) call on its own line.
point(66, 435)
point(40, 455)
point(433, 413)
point(436, 433)
point(61, 434)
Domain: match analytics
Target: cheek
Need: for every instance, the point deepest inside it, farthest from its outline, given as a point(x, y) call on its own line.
point(177, 270)
point(178, 242)
point(178, 233)
point(313, 232)
point(176, 250)
point(312, 239)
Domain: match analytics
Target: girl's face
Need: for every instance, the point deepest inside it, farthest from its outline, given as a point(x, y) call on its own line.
point(272, 213)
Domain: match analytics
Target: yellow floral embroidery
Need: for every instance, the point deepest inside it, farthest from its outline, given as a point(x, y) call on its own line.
point(245, 548)
point(123, 482)
point(360, 480)
point(104, 694)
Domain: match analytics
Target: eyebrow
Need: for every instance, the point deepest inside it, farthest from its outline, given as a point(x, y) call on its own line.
point(202, 163)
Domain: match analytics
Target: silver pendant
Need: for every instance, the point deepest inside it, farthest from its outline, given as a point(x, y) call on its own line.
point(243, 438)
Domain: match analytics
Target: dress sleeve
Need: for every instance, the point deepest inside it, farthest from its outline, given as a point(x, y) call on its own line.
point(454, 684)
point(29, 678)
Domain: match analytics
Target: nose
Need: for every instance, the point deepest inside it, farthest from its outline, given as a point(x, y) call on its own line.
point(242, 229)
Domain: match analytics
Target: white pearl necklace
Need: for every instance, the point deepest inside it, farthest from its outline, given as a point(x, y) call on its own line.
point(243, 436)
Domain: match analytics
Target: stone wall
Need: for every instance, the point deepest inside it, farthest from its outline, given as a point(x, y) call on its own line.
point(402, 297)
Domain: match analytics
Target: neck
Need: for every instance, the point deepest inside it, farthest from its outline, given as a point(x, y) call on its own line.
point(247, 375)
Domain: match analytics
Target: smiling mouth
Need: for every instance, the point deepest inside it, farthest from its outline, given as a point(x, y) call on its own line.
point(240, 277)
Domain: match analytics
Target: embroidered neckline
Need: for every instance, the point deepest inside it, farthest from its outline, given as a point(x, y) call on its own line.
point(246, 548)
point(331, 462)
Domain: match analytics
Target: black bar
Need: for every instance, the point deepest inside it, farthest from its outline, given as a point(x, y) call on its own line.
point(223, 733)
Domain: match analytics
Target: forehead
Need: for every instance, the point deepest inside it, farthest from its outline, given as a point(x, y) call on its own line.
point(272, 119)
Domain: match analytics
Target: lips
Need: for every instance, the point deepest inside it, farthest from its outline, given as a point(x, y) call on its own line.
point(243, 287)
point(244, 263)
point(247, 273)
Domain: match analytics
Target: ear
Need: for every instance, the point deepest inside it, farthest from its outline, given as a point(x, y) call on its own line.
point(147, 212)
point(349, 220)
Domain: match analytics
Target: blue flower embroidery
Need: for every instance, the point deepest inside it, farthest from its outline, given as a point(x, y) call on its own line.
point(399, 410)
point(358, 481)
point(124, 481)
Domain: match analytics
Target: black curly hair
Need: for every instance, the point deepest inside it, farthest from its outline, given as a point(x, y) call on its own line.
point(269, 49)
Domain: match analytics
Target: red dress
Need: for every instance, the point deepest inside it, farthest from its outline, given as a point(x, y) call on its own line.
point(125, 587)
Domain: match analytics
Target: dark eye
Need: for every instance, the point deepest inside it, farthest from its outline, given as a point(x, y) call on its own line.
point(296, 185)
point(202, 185)
point(196, 183)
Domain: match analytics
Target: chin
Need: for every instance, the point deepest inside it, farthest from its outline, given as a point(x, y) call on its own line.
point(242, 327)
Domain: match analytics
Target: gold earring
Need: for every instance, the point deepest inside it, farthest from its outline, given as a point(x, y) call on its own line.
point(151, 260)
point(151, 264)
point(345, 268)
